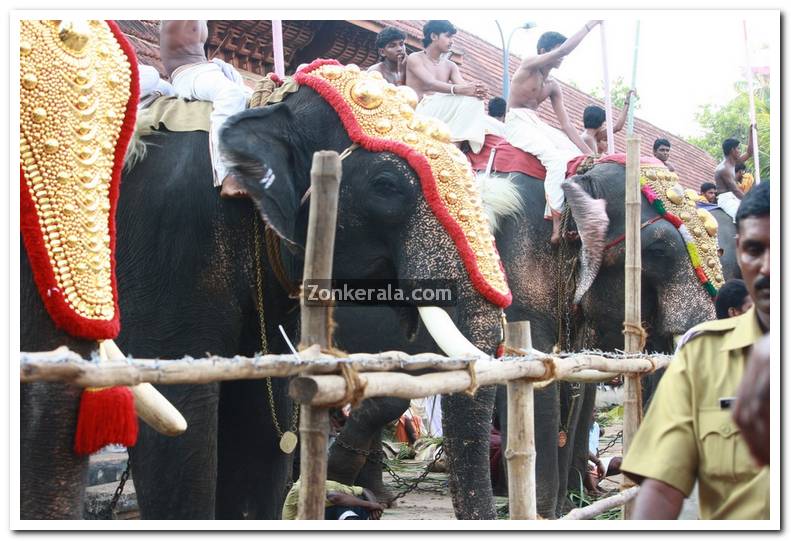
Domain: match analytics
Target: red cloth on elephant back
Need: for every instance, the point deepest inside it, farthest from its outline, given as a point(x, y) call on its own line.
point(509, 159)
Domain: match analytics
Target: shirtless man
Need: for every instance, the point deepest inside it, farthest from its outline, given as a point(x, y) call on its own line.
point(194, 77)
point(392, 51)
point(662, 153)
point(595, 133)
point(729, 194)
point(443, 92)
point(530, 86)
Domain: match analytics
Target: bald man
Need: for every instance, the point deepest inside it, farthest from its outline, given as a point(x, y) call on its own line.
point(181, 48)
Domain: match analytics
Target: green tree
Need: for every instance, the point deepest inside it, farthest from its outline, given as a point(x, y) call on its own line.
point(733, 120)
point(618, 91)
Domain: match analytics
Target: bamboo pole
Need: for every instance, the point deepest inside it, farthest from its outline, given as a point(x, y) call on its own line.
point(314, 424)
point(632, 405)
point(63, 365)
point(599, 507)
point(520, 452)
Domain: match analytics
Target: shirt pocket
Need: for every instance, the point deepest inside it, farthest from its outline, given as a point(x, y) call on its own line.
point(724, 453)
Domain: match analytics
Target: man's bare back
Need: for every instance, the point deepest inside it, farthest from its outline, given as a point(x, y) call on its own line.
point(181, 43)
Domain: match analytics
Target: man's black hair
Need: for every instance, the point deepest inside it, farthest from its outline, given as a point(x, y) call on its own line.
point(549, 40)
point(706, 186)
point(754, 204)
point(388, 34)
point(730, 295)
point(728, 145)
point(661, 143)
point(496, 107)
point(740, 166)
point(593, 117)
point(436, 27)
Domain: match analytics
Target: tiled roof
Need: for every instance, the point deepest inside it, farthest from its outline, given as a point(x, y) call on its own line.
point(478, 59)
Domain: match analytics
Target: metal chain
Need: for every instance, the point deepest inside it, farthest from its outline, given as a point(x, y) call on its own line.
point(120, 488)
point(259, 281)
point(612, 442)
point(376, 456)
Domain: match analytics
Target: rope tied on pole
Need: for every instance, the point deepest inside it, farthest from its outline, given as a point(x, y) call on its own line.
point(636, 329)
point(550, 370)
point(473, 388)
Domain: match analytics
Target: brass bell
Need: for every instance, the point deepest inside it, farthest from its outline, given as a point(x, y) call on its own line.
point(74, 34)
point(368, 93)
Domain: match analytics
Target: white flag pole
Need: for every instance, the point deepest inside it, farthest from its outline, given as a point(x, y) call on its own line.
point(751, 99)
point(607, 97)
point(277, 48)
point(630, 116)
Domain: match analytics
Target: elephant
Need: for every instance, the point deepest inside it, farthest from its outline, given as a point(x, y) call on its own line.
point(522, 239)
point(386, 230)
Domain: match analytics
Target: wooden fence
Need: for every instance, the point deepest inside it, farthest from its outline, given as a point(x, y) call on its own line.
point(322, 379)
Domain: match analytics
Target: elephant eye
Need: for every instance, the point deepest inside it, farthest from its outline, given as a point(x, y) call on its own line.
point(386, 185)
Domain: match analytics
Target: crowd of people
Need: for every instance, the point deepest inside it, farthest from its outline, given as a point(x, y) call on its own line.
point(712, 403)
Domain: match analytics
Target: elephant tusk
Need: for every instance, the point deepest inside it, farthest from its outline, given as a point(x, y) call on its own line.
point(446, 334)
point(150, 405)
point(448, 337)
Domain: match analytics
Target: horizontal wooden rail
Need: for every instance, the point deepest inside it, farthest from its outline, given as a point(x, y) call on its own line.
point(66, 366)
point(600, 506)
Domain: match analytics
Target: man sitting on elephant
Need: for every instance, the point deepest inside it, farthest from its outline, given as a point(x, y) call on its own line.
point(530, 86)
point(443, 92)
point(194, 77)
point(729, 193)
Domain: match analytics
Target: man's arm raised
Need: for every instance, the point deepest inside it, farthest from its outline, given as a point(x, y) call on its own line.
point(622, 118)
point(542, 60)
point(560, 112)
point(749, 154)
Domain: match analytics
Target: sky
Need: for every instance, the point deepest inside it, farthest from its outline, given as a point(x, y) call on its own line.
point(686, 59)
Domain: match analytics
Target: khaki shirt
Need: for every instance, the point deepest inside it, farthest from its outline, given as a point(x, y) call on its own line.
point(686, 436)
point(292, 498)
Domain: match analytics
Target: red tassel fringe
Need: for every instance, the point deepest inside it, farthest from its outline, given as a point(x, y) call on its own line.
point(107, 416)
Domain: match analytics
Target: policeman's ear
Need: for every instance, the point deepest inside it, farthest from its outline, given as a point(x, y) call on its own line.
point(256, 144)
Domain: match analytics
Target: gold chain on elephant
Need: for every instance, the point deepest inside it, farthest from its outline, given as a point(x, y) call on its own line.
point(288, 439)
point(120, 488)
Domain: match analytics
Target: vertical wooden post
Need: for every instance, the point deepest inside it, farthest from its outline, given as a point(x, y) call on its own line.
point(314, 424)
point(520, 454)
point(632, 404)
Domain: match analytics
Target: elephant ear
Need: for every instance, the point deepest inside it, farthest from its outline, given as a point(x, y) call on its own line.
point(592, 222)
point(255, 145)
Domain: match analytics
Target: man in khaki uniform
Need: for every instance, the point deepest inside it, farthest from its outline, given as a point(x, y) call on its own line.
point(688, 434)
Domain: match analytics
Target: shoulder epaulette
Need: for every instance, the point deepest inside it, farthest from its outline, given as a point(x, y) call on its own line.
point(713, 326)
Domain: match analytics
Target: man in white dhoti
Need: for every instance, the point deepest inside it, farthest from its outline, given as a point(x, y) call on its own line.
point(193, 76)
point(443, 92)
point(729, 193)
point(152, 86)
point(530, 86)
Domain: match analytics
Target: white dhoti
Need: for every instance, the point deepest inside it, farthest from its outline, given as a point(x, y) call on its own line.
point(465, 117)
point(525, 130)
point(729, 203)
point(434, 415)
point(152, 85)
point(214, 82)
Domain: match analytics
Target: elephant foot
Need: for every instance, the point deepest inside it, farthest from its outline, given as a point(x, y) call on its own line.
point(370, 477)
